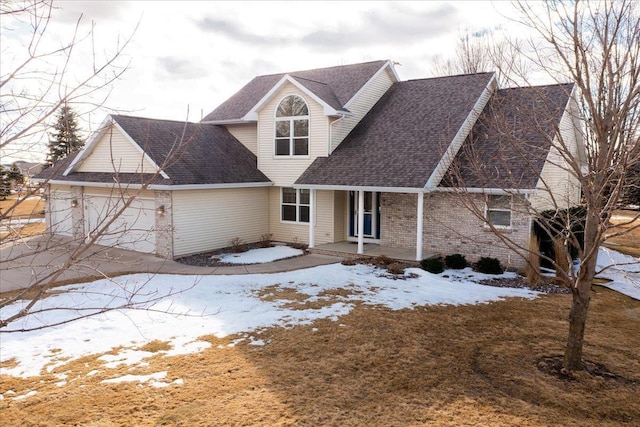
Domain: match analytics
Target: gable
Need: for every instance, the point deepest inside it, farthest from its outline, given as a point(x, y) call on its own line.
point(337, 84)
point(115, 152)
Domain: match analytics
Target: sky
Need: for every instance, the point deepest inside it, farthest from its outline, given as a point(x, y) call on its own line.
point(185, 58)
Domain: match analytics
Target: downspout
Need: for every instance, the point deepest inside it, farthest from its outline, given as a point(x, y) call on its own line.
point(342, 116)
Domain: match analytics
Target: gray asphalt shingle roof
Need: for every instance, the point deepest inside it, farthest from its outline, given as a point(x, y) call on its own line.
point(334, 85)
point(400, 141)
point(509, 143)
point(189, 153)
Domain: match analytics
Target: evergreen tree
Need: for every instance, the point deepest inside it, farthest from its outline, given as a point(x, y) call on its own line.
point(5, 186)
point(66, 135)
point(15, 176)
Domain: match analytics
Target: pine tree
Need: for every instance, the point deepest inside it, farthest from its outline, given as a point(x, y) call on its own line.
point(66, 135)
point(15, 176)
point(5, 186)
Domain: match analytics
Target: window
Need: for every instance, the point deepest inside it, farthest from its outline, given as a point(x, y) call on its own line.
point(499, 211)
point(295, 205)
point(292, 127)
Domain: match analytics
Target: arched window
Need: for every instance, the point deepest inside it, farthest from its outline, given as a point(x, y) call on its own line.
point(292, 127)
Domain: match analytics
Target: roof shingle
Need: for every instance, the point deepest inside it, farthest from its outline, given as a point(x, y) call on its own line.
point(334, 85)
point(401, 140)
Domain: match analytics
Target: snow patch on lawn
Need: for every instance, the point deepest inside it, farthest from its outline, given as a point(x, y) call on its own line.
point(260, 256)
point(622, 270)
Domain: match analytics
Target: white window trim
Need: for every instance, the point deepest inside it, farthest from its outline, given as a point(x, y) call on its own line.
point(291, 119)
point(297, 205)
point(486, 213)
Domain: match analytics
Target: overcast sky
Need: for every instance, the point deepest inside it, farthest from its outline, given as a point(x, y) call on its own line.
point(191, 56)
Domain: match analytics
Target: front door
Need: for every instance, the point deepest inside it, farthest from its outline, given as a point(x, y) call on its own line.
point(371, 215)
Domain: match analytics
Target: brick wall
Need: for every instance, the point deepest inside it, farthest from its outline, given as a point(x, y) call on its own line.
point(449, 227)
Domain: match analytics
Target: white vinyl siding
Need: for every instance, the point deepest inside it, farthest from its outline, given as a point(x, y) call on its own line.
point(558, 187)
point(209, 219)
point(299, 232)
point(60, 214)
point(283, 171)
point(360, 105)
point(247, 134)
point(114, 152)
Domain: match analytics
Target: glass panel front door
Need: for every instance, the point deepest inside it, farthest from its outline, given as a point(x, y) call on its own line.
point(371, 214)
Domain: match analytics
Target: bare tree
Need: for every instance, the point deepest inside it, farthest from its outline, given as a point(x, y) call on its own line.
point(596, 47)
point(32, 91)
point(480, 51)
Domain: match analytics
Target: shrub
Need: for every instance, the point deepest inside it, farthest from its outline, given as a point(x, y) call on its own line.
point(455, 261)
point(349, 261)
point(265, 240)
point(532, 269)
point(382, 261)
point(395, 268)
point(237, 245)
point(433, 265)
point(488, 265)
point(553, 224)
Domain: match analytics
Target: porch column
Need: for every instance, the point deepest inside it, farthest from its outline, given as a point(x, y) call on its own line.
point(420, 226)
point(312, 217)
point(360, 222)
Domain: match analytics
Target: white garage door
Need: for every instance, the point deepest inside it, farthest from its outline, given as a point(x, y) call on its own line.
point(133, 229)
point(60, 213)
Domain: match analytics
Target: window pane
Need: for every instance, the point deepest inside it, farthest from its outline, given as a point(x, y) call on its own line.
point(288, 212)
point(301, 146)
point(289, 195)
point(500, 218)
point(304, 214)
point(300, 128)
point(299, 107)
point(284, 109)
point(368, 201)
point(282, 128)
point(304, 197)
point(500, 202)
point(282, 147)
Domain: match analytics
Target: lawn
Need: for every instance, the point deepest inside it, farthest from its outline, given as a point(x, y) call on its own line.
point(349, 347)
point(29, 209)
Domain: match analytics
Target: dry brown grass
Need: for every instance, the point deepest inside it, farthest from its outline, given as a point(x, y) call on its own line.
point(629, 243)
point(26, 209)
point(436, 366)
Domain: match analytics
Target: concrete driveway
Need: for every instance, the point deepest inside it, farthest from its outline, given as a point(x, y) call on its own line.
point(23, 263)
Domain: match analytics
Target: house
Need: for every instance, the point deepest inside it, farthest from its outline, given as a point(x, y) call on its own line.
point(341, 154)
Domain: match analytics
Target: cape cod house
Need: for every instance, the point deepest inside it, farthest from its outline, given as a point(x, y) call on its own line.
point(327, 156)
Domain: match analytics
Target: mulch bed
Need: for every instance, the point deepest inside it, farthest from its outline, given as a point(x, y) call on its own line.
point(209, 259)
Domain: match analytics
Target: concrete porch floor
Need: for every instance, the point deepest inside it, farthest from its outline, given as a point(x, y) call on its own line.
point(350, 249)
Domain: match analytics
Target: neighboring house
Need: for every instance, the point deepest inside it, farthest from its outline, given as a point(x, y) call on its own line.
point(346, 153)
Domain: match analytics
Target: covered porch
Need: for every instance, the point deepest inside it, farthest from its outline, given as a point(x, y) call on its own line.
point(350, 250)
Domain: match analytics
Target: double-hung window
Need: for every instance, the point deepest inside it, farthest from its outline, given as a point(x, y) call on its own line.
point(498, 211)
point(295, 205)
point(292, 127)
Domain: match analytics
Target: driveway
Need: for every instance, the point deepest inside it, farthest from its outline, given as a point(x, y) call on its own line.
point(23, 263)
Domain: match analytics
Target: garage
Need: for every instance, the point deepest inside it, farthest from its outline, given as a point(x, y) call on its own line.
point(134, 229)
point(60, 211)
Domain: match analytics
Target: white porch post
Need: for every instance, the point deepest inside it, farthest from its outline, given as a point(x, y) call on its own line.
point(420, 226)
point(312, 217)
point(360, 222)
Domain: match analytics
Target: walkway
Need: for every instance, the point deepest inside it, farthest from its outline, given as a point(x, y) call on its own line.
point(23, 263)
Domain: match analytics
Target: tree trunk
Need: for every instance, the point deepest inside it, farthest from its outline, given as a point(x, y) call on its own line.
point(577, 323)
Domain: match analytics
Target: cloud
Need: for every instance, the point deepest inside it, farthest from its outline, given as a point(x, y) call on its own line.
point(399, 24)
point(233, 31)
point(68, 12)
point(180, 68)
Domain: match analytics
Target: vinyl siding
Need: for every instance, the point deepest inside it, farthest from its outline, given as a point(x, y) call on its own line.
point(360, 105)
point(114, 152)
point(558, 187)
point(339, 216)
point(209, 219)
point(59, 215)
point(247, 134)
point(284, 171)
point(299, 232)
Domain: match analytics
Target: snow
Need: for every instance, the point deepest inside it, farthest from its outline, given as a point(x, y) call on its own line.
point(622, 270)
point(240, 305)
point(259, 256)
